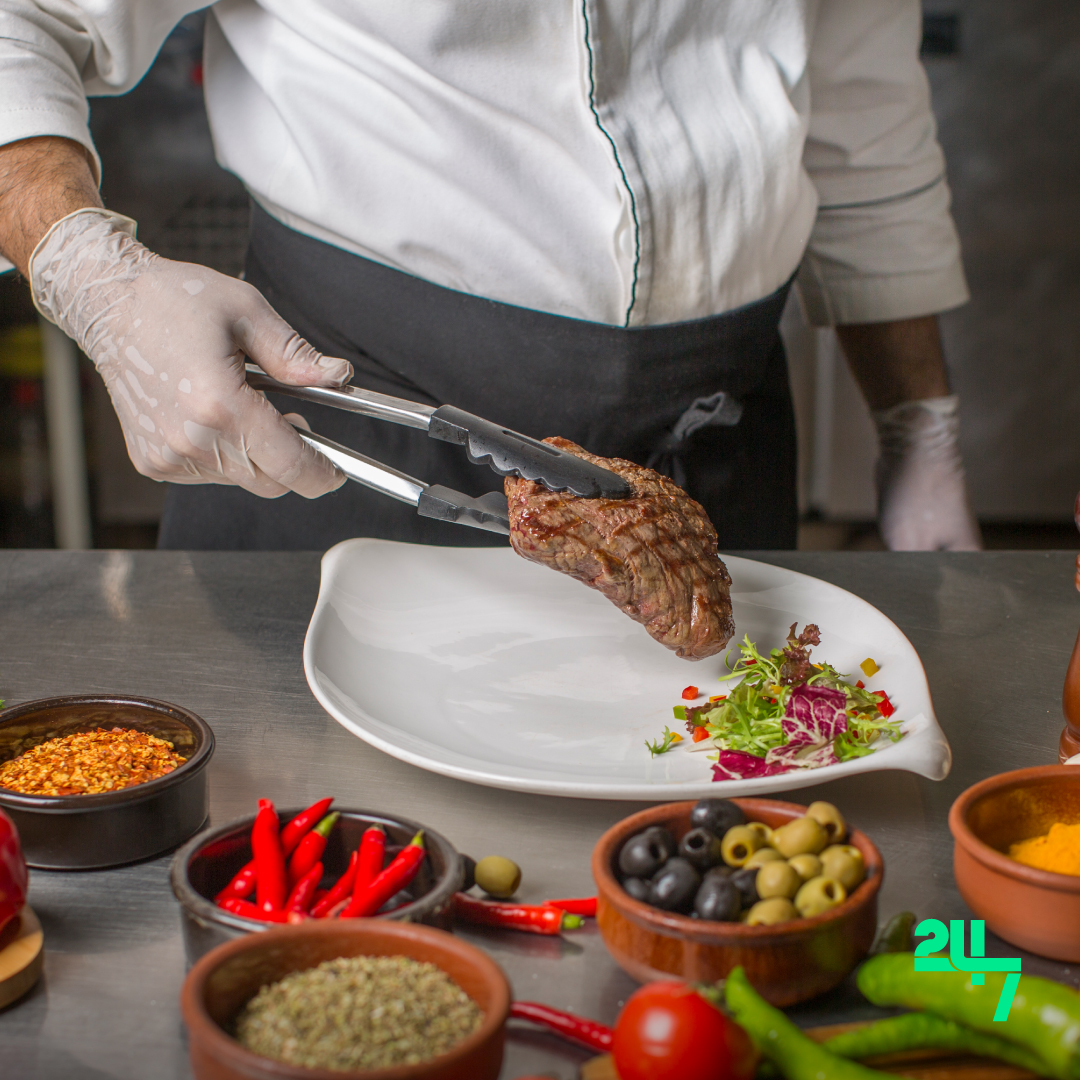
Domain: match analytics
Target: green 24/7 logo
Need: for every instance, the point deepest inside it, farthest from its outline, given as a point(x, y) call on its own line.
point(978, 963)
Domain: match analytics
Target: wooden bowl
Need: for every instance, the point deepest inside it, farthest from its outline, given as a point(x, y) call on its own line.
point(1035, 909)
point(787, 963)
point(225, 979)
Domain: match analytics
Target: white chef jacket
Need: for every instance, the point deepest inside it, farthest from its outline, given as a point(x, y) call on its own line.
point(628, 162)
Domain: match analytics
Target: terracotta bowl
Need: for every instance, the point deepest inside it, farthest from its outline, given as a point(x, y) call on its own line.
point(225, 979)
point(787, 963)
point(1035, 909)
point(205, 865)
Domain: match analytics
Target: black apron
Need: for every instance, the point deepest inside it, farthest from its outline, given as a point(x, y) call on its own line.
point(706, 402)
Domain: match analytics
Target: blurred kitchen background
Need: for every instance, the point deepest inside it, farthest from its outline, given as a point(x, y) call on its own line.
point(1006, 86)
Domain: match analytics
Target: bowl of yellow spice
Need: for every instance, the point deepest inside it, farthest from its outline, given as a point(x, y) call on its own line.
point(93, 781)
point(1016, 857)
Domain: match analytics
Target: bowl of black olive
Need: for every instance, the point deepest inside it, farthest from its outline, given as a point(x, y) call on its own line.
point(692, 890)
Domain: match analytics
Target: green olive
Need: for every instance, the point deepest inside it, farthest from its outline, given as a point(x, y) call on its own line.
point(777, 879)
point(739, 843)
point(805, 865)
point(799, 837)
point(830, 819)
point(818, 895)
point(777, 909)
point(762, 830)
point(845, 864)
point(498, 877)
point(761, 857)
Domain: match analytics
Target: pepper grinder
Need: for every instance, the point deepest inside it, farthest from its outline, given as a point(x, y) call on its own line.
point(1070, 696)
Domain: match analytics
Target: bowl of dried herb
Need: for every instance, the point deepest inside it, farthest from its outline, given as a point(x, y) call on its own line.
point(93, 781)
point(361, 999)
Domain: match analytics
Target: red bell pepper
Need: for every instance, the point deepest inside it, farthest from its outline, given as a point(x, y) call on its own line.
point(690, 693)
point(532, 918)
point(310, 849)
point(303, 891)
point(243, 883)
point(270, 880)
point(13, 874)
point(406, 865)
point(885, 706)
point(340, 891)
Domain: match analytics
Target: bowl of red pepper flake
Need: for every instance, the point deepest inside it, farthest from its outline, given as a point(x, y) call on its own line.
point(99, 781)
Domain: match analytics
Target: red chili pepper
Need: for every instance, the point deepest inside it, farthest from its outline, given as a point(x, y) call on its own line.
point(885, 706)
point(587, 1033)
point(690, 693)
point(303, 891)
point(243, 882)
point(532, 918)
point(396, 876)
point(372, 853)
point(270, 883)
point(13, 873)
point(700, 732)
point(253, 911)
point(586, 906)
point(339, 891)
point(310, 849)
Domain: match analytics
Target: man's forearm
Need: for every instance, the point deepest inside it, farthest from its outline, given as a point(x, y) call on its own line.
point(41, 181)
point(894, 362)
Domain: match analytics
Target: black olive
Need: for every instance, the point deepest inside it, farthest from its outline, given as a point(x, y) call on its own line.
point(701, 849)
point(637, 888)
point(642, 855)
point(716, 815)
point(718, 899)
point(469, 865)
point(746, 882)
point(675, 886)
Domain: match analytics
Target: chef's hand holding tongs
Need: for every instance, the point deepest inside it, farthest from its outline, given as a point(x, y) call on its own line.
point(507, 452)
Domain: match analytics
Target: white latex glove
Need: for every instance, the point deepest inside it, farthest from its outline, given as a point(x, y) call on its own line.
point(922, 496)
point(170, 340)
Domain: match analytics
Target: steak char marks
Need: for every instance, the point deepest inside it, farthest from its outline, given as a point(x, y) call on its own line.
point(653, 555)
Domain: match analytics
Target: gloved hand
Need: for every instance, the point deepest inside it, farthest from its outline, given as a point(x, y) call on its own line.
point(170, 340)
point(922, 497)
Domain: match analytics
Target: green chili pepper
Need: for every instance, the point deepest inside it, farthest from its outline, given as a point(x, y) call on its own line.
point(924, 1031)
point(896, 935)
point(796, 1055)
point(1044, 1017)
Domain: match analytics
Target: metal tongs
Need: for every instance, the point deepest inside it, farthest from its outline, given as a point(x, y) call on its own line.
point(509, 453)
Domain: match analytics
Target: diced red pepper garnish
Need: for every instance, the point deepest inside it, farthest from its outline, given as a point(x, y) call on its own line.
point(750, 663)
point(700, 732)
point(690, 693)
point(886, 707)
point(861, 685)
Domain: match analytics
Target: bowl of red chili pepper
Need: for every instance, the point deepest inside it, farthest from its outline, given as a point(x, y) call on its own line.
point(321, 862)
point(93, 781)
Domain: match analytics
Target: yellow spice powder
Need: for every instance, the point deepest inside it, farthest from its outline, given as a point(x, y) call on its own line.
point(1057, 851)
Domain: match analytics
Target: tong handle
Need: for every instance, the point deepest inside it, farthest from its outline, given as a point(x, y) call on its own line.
point(511, 453)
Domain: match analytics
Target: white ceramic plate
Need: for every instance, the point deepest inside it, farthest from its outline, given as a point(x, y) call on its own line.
point(474, 663)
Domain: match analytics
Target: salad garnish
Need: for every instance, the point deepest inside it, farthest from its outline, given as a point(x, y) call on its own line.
point(788, 712)
point(662, 746)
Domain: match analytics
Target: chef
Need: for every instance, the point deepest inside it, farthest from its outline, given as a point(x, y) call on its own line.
point(572, 217)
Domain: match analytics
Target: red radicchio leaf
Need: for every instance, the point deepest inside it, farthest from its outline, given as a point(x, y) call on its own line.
point(736, 765)
point(813, 718)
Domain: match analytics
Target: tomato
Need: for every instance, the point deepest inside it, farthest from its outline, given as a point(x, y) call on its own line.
point(668, 1031)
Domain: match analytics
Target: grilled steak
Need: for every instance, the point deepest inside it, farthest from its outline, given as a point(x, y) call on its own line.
point(653, 554)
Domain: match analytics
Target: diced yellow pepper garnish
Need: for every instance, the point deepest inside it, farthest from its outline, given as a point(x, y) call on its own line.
point(869, 667)
point(676, 737)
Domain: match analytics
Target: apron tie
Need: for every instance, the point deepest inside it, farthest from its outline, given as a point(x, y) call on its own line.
point(716, 410)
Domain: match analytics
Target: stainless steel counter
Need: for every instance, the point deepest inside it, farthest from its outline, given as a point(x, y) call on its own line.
point(222, 634)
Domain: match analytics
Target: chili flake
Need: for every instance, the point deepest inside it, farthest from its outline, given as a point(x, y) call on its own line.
point(90, 763)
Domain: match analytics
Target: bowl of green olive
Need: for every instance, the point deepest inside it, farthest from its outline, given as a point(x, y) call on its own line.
point(693, 890)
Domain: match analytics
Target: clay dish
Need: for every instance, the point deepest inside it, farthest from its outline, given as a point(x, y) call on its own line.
point(225, 979)
point(787, 963)
point(1035, 909)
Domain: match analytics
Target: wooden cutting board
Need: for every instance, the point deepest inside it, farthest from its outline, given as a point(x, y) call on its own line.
point(918, 1065)
point(22, 956)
